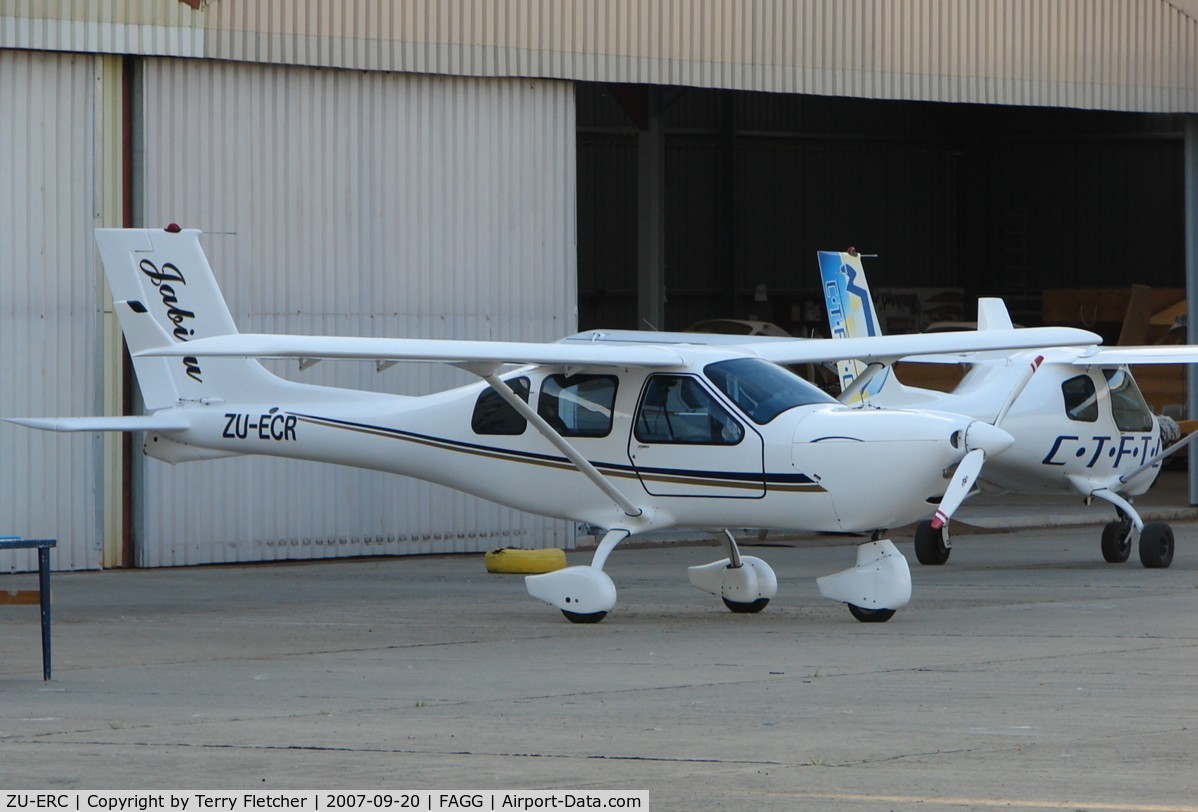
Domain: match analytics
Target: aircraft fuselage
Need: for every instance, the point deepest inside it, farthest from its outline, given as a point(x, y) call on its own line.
point(818, 466)
point(1073, 425)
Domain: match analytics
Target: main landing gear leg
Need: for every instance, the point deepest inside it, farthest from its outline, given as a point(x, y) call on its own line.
point(585, 594)
point(745, 582)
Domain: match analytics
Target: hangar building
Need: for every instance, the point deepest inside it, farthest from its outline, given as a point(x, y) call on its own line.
point(495, 169)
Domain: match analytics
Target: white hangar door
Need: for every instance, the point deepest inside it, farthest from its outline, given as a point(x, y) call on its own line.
point(49, 305)
point(351, 203)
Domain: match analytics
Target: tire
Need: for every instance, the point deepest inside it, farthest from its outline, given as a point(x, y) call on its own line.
point(751, 608)
point(584, 617)
point(871, 615)
point(511, 560)
point(1116, 542)
point(930, 548)
point(1156, 545)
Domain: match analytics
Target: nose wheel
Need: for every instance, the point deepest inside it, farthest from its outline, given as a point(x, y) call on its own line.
point(870, 615)
point(932, 547)
point(875, 587)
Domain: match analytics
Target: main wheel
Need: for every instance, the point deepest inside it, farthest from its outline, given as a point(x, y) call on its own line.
point(584, 617)
point(871, 615)
point(929, 544)
point(742, 608)
point(1116, 542)
point(1156, 545)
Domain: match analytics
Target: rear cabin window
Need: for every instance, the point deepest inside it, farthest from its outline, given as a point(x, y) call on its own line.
point(1081, 399)
point(578, 405)
point(494, 415)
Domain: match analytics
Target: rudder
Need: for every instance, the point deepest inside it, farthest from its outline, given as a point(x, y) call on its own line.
point(851, 312)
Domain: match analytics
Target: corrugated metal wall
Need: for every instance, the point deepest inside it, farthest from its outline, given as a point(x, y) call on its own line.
point(1116, 54)
point(1126, 54)
point(50, 358)
point(1123, 54)
point(142, 27)
point(383, 205)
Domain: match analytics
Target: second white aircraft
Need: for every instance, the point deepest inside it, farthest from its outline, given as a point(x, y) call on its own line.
point(1079, 423)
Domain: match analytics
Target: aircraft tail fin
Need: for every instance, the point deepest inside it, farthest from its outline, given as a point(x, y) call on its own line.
point(993, 315)
point(164, 291)
point(851, 311)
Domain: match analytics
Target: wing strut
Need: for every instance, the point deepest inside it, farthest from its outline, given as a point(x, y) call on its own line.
point(559, 442)
point(1180, 444)
point(871, 371)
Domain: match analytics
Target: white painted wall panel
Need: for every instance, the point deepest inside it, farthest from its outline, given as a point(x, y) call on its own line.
point(49, 347)
point(357, 204)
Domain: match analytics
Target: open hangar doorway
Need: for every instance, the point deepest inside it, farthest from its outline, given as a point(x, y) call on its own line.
point(988, 200)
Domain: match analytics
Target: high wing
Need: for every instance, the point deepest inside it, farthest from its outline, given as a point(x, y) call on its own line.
point(415, 349)
point(887, 349)
point(1171, 354)
point(616, 348)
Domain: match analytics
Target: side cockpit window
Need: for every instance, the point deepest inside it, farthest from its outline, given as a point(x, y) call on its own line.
point(1128, 407)
point(1081, 399)
point(493, 414)
point(677, 409)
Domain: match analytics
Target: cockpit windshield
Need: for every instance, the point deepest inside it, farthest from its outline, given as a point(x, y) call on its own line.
point(762, 390)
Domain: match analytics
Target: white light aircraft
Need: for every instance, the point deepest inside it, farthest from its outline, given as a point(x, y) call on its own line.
point(1079, 423)
point(631, 432)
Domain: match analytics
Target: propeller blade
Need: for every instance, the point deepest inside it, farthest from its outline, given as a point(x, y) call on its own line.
point(960, 486)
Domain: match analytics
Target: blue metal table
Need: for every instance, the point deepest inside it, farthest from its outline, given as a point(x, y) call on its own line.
point(43, 580)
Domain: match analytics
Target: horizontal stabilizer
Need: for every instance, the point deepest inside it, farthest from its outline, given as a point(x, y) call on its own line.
point(147, 422)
